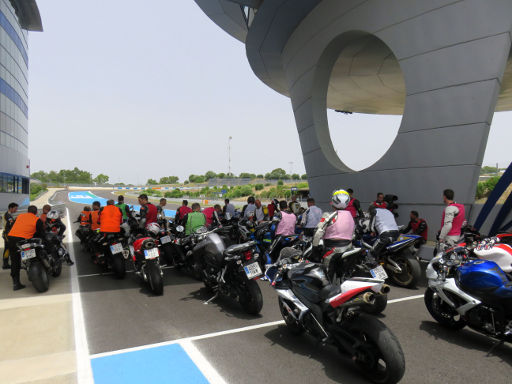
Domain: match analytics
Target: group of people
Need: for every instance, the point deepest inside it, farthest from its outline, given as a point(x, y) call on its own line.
point(23, 227)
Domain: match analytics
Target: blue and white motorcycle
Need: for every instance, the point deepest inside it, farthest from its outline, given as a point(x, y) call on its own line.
point(476, 293)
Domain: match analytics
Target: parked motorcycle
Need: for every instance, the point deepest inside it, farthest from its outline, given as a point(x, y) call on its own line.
point(113, 253)
point(147, 265)
point(37, 263)
point(399, 259)
point(229, 271)
point(333, 313)
point(463, 292)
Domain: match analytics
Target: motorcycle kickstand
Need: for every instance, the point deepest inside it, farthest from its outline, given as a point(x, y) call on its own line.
point(495, 345)
point(211, 299)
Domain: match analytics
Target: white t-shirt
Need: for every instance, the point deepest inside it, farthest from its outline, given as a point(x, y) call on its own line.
point(384, 221)
point(313, 215)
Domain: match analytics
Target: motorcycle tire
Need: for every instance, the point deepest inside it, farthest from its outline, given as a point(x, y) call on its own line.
point(155, 279)
point(411, 270)
point(381, 302)
point(291, 324)
point(57, 268)
point(38, 276)
point(378, 354)
point(442, 312)
point(118, 266)
point(251, 298)
point(167, 254)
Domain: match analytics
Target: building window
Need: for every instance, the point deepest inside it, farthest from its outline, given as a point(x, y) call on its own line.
point(14, 184)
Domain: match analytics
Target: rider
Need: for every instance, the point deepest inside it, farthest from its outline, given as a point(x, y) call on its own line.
point(182, 212)
point(418, 227)
point(111, 218)
point(46, 208)
point(148, 212)
point(194, 219)
point(7, 225)
point(55, 224)
point(286, 226)
point(380, 203)
point(354, 206)
point(383, 224)
point(212, 215)
point(26, 226)
point(335, 228)
point(453, 219)
point(95, 216)
point(160, 209)
point(125, 209)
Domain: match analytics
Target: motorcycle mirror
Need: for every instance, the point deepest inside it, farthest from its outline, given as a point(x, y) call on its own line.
point(180, 228)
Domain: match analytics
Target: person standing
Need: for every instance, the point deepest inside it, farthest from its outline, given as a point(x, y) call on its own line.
point(354, 206)
point(182, 212)
point(311, 217)
point(454, 216)
point(148, 211)
point(26, 226)
point(125, 209)
point(8, 222)
point(160, 208)
point(380, 203)
point(273, 208)
point(194, 219)
point(229, 208)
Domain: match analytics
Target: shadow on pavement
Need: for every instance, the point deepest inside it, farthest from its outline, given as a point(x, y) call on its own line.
point(469, 339)
point(338, 367)
point(225, 304)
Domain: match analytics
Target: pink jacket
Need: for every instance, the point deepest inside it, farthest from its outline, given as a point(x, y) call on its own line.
point(286, 226)
point(342, 227)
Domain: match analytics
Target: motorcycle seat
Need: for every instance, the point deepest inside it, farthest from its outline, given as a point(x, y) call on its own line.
point(329, 291)
point(237, 248)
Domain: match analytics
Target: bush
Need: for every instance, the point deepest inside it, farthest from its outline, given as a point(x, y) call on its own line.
point(258, 187)
point(239, 191)
point(176, 193)
point(484, 188)
point(280, 182)
point(36, 190)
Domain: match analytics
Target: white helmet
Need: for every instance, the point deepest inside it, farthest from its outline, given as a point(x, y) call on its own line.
point(53, 215)
point(340, 199)
point(153, 228)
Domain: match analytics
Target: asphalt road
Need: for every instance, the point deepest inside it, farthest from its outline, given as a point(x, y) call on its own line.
point(124, 314)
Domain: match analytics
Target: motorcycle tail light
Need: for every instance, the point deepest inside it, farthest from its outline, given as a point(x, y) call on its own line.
point(248, 255)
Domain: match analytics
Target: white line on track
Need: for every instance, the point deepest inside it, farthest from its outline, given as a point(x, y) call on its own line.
point(83, 363)
point(110, 273)
point(217, 334)
point(200, 361)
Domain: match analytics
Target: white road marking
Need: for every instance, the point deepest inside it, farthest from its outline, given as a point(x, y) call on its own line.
point(83, 362)
point(110, 273)
point(200, 361)
point(216, 334)
point(405, 299)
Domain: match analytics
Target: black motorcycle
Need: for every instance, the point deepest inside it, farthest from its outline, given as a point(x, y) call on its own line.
point(113, 251)
point(38, 264)
point(230, 271)
point(334, 314)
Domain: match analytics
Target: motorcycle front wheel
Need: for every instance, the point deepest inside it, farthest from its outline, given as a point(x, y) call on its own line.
point(442, 312)
point(251, 298)
point(378, 353)
point(293, 326)
point(155, 280)
point(57, 267)
point(38, 276)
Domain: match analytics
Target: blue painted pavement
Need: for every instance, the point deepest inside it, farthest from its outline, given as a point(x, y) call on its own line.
point(166, 364)
point(87, 197)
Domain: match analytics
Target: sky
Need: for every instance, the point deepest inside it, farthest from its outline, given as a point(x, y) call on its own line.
point(138, 91)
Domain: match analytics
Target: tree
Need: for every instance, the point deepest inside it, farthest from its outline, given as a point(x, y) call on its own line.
point(221, 175)
point(278, 173)
point(259, 176)
point(486, 169)
point(295, 176)
point(169, 180)
point(151, 182)
point(246, 175)
point(101, 179)
point(210, 175)
point(304, 177)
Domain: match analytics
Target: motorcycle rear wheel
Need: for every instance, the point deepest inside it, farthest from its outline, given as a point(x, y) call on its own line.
point(442, 312)
point(411, 270)
point(251, 298)
point(57, 268)
point(293, 326)
point(118, 266)
point(38, 276)
point(379, 355)
point(155, 280)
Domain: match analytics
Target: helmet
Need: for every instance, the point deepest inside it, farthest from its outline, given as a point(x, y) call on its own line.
point(53, 215)
point(340, 199)
point(153, 228)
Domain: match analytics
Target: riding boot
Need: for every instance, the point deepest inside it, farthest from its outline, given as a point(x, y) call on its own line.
point(68, 259)
point(5, 264)
point(16, 283)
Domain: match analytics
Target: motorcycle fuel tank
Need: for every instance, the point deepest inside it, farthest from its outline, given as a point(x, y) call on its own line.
point(484, 278)
point(501, 254)
point(308, 280)
point(213, 249)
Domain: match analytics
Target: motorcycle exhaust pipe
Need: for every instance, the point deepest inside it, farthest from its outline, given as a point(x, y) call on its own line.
point(369, 298)
point(385, 289)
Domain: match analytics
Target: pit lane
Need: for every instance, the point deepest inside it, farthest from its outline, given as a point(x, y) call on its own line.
point(123, 314)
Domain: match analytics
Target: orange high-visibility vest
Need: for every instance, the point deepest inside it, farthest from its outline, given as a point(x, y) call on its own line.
point(85, 217)
point(111, 219)
point(95, 220)
point(24, 226)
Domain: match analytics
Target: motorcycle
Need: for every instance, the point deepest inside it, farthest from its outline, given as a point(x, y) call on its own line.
point(37, 263)
point(231, 271)
point(146, 263)
point(113, 253)
point(399, 259)
point(333, 313)
point(463, 291)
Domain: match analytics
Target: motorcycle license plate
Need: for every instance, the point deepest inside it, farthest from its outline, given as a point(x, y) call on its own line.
point(252, 270)
point(151, 253)
point(379, 273)
point(116, 248)
point(28, 254)
point(165, 240)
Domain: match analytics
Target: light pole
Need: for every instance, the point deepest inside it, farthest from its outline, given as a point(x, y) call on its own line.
point(229, 156)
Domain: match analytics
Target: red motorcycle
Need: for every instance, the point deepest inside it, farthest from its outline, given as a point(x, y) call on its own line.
point(146, 260)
